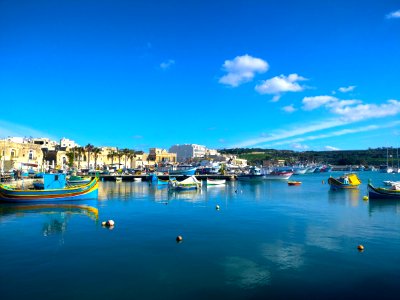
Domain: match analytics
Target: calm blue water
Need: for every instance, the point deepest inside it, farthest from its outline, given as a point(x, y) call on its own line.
point(267, 240)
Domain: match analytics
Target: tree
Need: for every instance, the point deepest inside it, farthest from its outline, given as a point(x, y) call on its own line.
point(80, 151)
point(119, 155)
point(96, 151)
point(89, 149)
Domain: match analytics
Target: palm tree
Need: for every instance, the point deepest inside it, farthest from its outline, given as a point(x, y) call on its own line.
point(96, 151)
point(126, 152)
point(119, 155)
point(80, 151)
point(111, 155)
point(88, 148)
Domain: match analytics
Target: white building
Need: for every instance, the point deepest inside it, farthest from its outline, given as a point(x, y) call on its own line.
point(64, 142)
point(188, 151)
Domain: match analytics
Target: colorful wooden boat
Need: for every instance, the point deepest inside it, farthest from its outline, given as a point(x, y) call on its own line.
point(383, 193)
point(183, 170)
point(346, 181)
point(165, 182)
point(78, 180)
point(55, 190)
point(190, 183)
point(294, 182)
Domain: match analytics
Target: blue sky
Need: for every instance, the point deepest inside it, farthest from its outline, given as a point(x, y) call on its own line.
point(299, 75)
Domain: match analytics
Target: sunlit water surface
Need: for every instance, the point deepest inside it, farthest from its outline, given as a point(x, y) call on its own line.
point(267, 240)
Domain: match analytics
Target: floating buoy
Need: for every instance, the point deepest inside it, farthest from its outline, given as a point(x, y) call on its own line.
point(110, 223)
point(360, 248)
point(365, 198)
point(217, 207)
point(104, 223)
point(179, 238)
point(323, 182)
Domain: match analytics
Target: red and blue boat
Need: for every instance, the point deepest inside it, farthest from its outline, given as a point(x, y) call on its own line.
point(55, 189)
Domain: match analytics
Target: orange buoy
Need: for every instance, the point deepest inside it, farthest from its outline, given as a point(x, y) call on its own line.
point(360, 248)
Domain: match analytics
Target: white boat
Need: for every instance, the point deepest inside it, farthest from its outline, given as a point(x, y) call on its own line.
point(215, 181)
point(118, 179)
point(137, 179)
point(299, 171)
point(278, 175)
point(190, 183)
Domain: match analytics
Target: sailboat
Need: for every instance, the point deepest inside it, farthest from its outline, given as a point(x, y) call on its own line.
point(386, 168)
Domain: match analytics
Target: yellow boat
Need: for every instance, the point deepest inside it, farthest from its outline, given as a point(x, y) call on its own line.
point(346, 181)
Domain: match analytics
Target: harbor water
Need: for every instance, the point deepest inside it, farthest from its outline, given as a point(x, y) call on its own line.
point(266, 240)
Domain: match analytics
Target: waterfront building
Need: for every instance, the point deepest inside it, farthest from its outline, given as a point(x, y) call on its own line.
point(20, 154)
point(159, 155)
point(67, 143)
point(187, 152)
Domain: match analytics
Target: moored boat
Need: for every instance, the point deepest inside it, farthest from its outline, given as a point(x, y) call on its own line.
point(183, 170)
point(190, 183)
point(383, 193)
point(77, 180)
point(294, 183)
point(346, 181)
point(254, 174)
point(278, 175)
point(55, 189)
point(118, 179)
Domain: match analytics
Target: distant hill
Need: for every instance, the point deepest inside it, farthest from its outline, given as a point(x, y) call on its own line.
point(370, 157)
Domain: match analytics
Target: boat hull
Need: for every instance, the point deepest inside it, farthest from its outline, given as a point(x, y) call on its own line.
point(216, 182)
point(278, 175)
point(382, 193)
point(352, 182)
point(250, 178)
point(187, 172)
point(89, 191)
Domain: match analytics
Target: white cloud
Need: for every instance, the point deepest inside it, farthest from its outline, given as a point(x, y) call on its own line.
point(330, 148)
point(16, 130)
point(289, 108)
point(280, 84)
point(393, 15)
point(242, 69)
point(310, 103)
point(347, 89)
point(167, 64)
point(367, 111)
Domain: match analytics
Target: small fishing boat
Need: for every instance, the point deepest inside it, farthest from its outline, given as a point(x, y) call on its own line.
point(55, 189)
point(183, 170)
point(137, 179)
point(165, 182)
point(383, 193)
point(215, 181)
point(190, 183)
point(346, 181)
point(294, 182)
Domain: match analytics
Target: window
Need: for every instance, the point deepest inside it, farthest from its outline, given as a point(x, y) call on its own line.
point(30, 154)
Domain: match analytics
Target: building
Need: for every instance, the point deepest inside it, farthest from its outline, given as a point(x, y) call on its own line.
point(187, 152)
point(67, 143)
point(22, 155)
point(159, 155)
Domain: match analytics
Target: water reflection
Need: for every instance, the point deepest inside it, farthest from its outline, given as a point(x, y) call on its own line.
point(245, 273)
point(347, 197)
point(56, 215)
point(384, 205)
point(284, 256)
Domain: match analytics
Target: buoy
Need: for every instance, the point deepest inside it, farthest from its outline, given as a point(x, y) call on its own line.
point(360, 248)
point(323, 182)
point(217, 207)
point(179, 238)
point(104, 223)
point(365, 198)
point(110, 223)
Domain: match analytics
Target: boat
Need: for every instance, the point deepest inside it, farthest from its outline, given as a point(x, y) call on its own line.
point(55, 189)
point(383, 193)
point(294, 183)
point(278, 175)
point(183, 170)
point(137, 179)
point(346, 181)
point(299, 171)
point(118, 179)
point(215, 181)
point(254, 174)
point(165, 182)
point(78, 180)
point(190, 183)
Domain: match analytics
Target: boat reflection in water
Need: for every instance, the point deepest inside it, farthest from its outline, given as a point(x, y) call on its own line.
point(56, 216)
point(384, 205)
point(350, 197)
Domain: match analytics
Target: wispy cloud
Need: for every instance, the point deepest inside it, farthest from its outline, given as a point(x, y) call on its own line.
point(311, 103)
point(331, 148)
point(299, 146)
point(167, 64)
point(393, 15)
point(242, 69)
point(347, 89)
point(280, 84)
point(289, 108)
point(11, 129)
